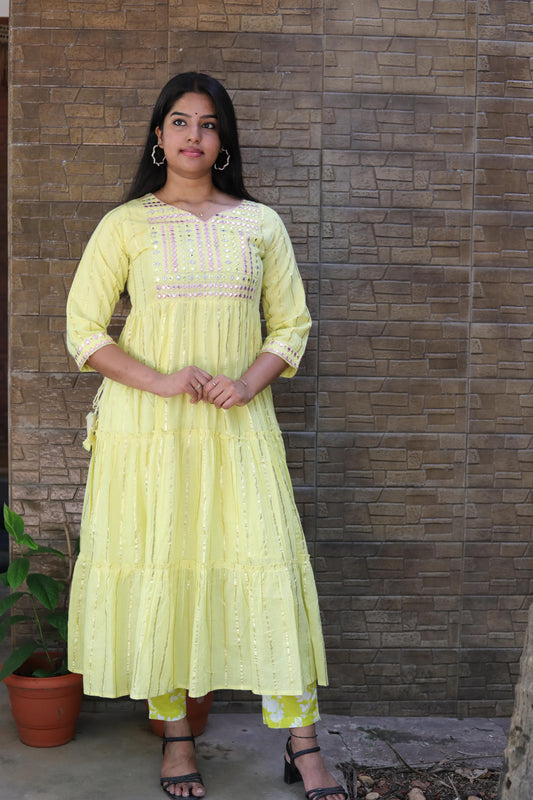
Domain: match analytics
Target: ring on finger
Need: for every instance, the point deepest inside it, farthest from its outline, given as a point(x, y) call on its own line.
point(214, 383)
point(198, 386)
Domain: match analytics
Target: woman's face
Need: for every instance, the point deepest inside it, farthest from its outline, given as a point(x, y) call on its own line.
point(189, 135)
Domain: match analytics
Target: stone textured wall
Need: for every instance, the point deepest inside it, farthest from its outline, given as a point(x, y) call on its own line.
point(395, 139)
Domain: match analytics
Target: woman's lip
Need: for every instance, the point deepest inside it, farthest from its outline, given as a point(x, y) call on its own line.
point(191, 152)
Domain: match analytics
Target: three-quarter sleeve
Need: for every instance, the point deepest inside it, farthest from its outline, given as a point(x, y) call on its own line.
point(287, 318)
point(100, 278)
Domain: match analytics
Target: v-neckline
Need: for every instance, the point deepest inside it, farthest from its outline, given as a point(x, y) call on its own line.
point(196, 216)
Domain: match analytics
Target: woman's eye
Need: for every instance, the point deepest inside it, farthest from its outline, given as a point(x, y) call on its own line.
point(210, 125)
point(179, 122)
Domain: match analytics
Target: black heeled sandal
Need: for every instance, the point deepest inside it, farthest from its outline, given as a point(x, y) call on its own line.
point(293, 774)
point(193, 777)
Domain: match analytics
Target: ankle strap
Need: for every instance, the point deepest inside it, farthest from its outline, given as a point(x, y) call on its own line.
point(178, 739)
point(292, 755)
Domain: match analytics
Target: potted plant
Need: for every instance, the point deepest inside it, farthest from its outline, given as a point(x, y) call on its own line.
point(45, 698)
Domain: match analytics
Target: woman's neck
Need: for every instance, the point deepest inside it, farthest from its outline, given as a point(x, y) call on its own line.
point(202, 199)
point(185, 190)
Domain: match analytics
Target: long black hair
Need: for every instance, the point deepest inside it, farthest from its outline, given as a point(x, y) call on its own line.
point(150, 178)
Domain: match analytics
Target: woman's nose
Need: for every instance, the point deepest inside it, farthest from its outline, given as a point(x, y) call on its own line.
point(194, 133)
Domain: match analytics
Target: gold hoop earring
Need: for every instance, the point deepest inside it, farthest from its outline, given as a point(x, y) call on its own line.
point(223, 150)
point(154, 159)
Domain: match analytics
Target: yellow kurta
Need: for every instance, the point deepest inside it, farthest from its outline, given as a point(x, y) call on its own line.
point(193, 570)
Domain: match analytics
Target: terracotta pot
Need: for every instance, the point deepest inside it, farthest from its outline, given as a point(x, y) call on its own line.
point(45, 710)
point(197, 713)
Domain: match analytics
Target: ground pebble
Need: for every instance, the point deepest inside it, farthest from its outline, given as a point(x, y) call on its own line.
point(473, 797)
point(373, 796)
point(416, 794)
point(366, 780)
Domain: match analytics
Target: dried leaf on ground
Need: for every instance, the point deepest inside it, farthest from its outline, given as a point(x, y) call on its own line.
point(445, 781)
point(471, 774)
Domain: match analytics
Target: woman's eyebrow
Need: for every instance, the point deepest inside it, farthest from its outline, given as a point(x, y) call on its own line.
point(189, 116)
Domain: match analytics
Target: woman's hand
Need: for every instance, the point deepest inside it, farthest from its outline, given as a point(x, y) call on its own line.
point(189, 380)
point(224, 393)
point(221, 391)
point(112, 362)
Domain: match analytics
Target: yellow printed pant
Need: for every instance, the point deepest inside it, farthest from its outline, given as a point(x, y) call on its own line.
point(279, 711)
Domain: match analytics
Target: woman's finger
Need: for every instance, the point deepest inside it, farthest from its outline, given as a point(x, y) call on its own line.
point(203, 376)
point(200, 379)
point(214, 387)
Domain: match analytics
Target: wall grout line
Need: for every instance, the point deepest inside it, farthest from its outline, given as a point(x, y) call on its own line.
point(468, 373)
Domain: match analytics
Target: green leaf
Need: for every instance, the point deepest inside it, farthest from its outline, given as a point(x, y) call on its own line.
point(45, 589)
point(42, 549)
point(3, 578)
point(28, 542)
point(17, 571)
point(16, 659)
point(59, 620)
point(16, 618)
point(13, 524)
point(7, 602)
point(42, 673)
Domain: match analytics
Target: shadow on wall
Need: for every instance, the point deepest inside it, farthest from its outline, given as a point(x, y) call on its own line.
point(4, 33)
point(4, 543)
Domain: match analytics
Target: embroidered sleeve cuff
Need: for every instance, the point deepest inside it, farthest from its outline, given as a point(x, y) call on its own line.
point(287, 353)
point(90, 346)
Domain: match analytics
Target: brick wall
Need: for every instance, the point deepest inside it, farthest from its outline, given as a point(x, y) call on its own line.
point(394, 137)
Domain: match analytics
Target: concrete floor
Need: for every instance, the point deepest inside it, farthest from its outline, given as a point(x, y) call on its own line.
point(115, 754)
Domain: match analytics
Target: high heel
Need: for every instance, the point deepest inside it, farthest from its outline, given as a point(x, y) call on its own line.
point(292, 774)
point(193, 777)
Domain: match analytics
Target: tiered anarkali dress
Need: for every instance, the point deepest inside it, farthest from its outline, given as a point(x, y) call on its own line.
point(193, 571)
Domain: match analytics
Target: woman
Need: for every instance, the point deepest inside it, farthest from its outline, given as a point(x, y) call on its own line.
point(193, 571)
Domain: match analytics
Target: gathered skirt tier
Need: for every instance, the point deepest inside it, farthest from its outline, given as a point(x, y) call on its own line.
point(193, 569)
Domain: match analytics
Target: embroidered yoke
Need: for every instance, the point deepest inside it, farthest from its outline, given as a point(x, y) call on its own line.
point(193, 568)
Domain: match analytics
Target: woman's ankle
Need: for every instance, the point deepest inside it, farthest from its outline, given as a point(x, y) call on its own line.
point(308, 732)
point(179, 729)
